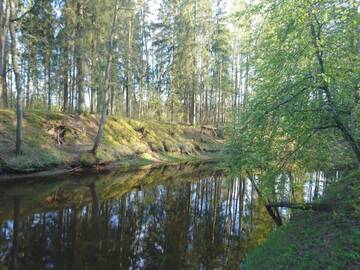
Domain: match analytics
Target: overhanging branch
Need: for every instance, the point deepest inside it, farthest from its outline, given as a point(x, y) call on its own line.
point(26, 12)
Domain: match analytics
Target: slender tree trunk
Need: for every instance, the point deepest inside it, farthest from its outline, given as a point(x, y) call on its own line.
point(141, 94)
point(66, 77)
point(34, 88)
point(79, 60)
point(4, 93)
point(79, 84)
point(273, 213)
point(145, 74)
point(93, 72)
point(193, 88)
point(128, 69)
point(246, 82)
point(240, 95)
point(48, 76)
point(20, 96)
point(28, 80)
point(236, 78)
point(4, 15)
point(201, 93)
point(219, 96)
point(207, 95)
point(73, 81)
point(346, 133)
point(112, 98)
point(107, 80)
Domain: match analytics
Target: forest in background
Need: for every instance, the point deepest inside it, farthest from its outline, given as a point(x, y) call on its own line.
point(176, 61)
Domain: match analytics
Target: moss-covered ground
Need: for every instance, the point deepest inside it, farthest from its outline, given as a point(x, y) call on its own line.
point(54, 139)
point(317, 240)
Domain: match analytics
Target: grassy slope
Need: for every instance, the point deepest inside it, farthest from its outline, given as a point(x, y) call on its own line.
point(317, 240)
point(126, 140)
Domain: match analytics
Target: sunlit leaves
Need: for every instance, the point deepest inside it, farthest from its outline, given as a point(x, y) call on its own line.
point(288, 120)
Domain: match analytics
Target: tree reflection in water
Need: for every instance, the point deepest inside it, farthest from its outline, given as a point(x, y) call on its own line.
point(205, 223)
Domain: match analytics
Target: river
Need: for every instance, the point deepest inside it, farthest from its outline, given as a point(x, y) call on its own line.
point(185, 216)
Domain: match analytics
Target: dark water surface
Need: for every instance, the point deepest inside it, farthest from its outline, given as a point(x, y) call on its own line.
point(172, 217)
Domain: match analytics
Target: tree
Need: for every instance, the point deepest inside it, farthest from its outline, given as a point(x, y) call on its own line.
point(176, 67)
point(79, 56)
point(4, 14)
point(107, 79)
point(303, 81)
point(19, 92)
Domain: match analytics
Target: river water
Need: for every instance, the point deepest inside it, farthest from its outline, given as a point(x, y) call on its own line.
point(188, 216)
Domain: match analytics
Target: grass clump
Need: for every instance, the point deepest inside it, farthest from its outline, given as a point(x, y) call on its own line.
point(35, 160)
point(317, 240)
point(87, 160)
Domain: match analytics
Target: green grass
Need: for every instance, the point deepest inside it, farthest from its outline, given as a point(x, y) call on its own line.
point(124, 140)
point(317, 240)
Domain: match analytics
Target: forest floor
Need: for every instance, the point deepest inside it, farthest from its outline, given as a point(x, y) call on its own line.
point(317, 240)
point(54, 141)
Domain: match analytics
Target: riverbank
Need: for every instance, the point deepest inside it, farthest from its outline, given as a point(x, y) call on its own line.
point(55, 143)
point(316, 239)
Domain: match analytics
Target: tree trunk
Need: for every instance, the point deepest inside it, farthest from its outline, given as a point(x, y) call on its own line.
point(219, 96)
point(93, 72)
point(79, 60)
point(206, 120)
point(73, 81)
point(79, 84)
point(4, 15)
point(66, 78)
point(128, 69)
point(346, 133)
point(28, 80)
point(107, 80)
point(19, 97)
point(141, 94)
point(145, 74)
point(246, 82)
point(4, 93)
point(193, 88)
point(48, 76)
point(274, 214)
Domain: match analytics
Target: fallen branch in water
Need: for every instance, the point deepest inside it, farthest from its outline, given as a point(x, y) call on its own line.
point(274, 213)
point(303, 206)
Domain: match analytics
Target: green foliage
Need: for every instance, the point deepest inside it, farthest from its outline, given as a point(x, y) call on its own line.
point(289, 121)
